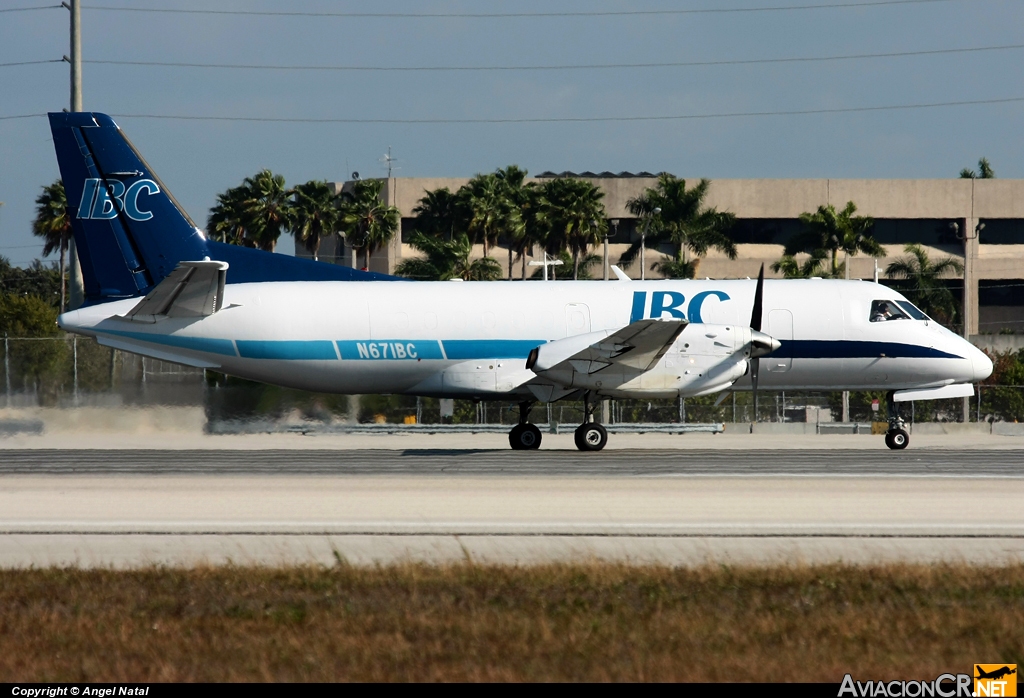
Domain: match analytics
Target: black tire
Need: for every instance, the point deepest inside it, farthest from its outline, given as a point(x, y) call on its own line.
point(888, 440)
point(899, 439)
point(524, 437)
point(591, 437)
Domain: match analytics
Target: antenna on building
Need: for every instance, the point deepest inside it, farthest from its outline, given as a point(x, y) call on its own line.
point(389, 162)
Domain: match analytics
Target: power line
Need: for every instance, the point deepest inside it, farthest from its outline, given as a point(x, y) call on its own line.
point(515, 15)
point(577, 119)
point(31, 9)
point(595, 66)
point(52, 60)
point(559, 119)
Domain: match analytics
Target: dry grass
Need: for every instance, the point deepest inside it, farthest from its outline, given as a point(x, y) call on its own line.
point(589, 622)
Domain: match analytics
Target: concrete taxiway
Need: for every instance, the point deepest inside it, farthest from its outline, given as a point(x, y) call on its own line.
point(136, 507)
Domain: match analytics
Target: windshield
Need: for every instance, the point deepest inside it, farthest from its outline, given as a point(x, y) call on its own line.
point(913, 310)
point(883, 311)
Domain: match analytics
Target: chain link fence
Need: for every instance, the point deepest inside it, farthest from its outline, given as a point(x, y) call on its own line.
point(71, 371)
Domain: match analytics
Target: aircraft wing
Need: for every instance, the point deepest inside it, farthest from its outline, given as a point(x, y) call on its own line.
point(192, 290)
point(637, 348)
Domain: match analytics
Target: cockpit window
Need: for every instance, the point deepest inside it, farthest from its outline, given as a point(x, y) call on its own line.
point(883, 311)
point(912, 310)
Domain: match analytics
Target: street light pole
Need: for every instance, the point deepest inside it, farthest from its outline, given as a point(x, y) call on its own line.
point(547, 263)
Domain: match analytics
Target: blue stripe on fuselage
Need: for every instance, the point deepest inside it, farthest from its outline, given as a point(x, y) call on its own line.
point(466, 349)
point(855, 349)
point(288, 350)
point(469, 349)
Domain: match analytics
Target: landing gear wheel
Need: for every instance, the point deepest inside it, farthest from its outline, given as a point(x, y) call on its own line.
point(590, 437)
point(897, 440)
point(524, 437)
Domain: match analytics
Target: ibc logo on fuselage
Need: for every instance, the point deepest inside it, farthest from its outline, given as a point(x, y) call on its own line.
point(104, 199)
point(672, 304)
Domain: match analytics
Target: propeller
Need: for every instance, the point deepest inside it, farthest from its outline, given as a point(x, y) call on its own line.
point(760, 343)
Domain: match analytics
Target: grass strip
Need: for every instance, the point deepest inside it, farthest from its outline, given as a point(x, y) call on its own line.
point(496, 623)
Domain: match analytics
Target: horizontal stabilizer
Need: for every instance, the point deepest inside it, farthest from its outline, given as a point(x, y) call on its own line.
point(192, 290)
point(943, 393)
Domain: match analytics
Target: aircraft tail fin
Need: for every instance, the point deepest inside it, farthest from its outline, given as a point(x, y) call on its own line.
point(129, 231)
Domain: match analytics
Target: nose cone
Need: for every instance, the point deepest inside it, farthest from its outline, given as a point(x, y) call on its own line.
point(981, 363)
point(762, 344)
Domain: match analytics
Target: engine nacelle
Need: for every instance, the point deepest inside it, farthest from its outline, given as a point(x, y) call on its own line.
point(704, 359)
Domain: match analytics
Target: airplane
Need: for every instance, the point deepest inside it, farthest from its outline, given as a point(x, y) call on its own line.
point(156, 285)
point(994, 674)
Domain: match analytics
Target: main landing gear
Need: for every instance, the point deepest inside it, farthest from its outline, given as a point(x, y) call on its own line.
point(524, 436)
point(590, 436)
point(896, 437)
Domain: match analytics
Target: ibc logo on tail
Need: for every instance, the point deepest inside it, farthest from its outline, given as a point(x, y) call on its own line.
point(104, 199)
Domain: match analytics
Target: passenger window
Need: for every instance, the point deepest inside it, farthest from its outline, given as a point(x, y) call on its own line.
point(883, 311)
point(913, 310)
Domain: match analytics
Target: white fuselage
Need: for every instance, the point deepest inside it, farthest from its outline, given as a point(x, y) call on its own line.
point(473, 338)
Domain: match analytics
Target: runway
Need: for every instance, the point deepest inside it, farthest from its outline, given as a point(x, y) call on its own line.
point(130, 508)
point(665, 462)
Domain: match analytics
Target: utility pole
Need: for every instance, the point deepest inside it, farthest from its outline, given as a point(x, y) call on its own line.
point(76, 289)
point(75, 8)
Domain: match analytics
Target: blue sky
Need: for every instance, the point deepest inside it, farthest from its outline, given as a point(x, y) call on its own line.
point(198, 159)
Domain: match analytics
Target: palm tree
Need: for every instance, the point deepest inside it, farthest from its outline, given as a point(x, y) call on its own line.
point(534, 228)
point(438, 214)
point(447, 259)
point(574, 216)
point(684, 221)
point(921, 282)
point(53, 224)
point(488, 209)
point(812, 266)
point(268, 209)
point(315, 214)
point(985, 171)
point(517, 197)
point(827, 232)
point(227, 218)
point(368, 223)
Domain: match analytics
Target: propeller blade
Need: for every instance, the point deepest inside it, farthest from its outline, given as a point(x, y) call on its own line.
point(755, 325)
point(755, 315)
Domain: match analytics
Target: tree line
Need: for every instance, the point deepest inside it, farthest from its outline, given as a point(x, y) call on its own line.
point(256, 213)
point(563, 217)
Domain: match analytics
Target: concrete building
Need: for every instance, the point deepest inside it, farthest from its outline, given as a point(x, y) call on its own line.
point(990, 212)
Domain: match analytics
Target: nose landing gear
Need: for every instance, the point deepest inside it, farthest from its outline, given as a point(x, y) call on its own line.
point(590, 436)
point(896, 437)
point(524, 436)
